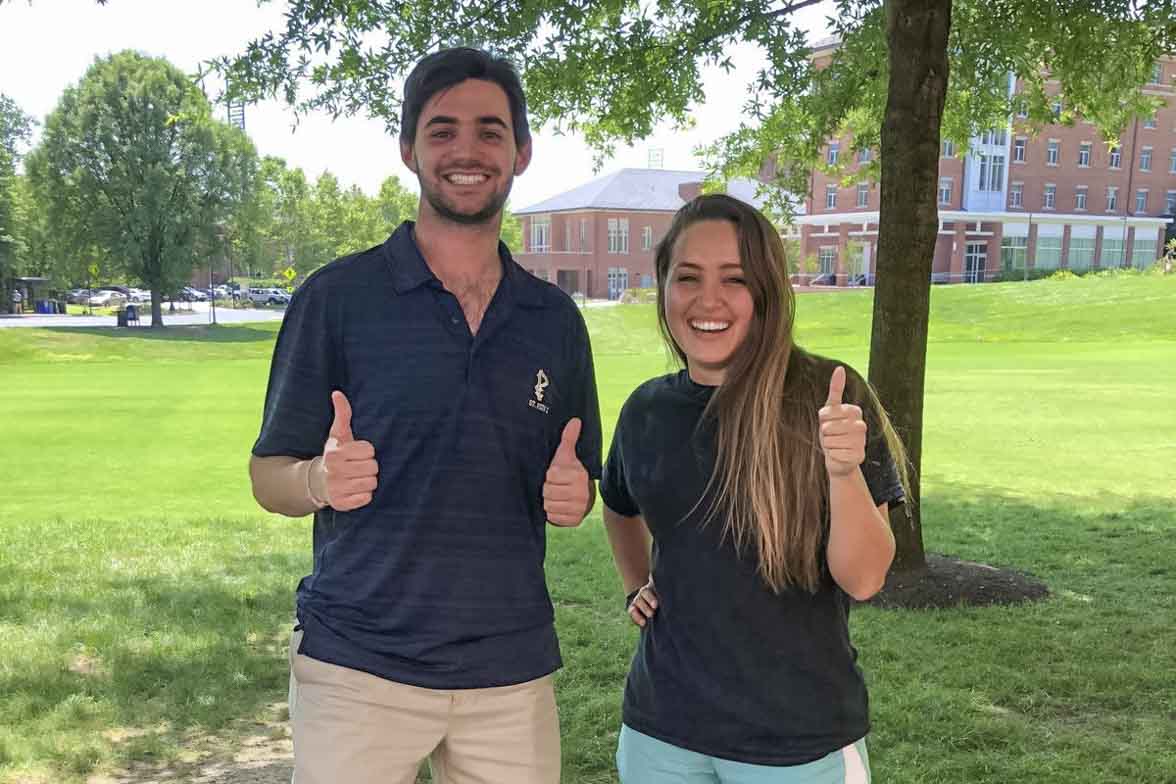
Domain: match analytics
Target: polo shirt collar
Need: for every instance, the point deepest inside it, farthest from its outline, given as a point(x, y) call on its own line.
point(410, 271)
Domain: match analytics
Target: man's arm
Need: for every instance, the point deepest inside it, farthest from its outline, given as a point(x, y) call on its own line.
point(284, 485)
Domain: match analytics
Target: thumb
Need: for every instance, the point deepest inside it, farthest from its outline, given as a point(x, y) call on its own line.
point(567, 442)
point(341, 425)
point(836, 387)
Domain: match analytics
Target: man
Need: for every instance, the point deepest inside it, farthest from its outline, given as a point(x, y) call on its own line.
point(434, 406)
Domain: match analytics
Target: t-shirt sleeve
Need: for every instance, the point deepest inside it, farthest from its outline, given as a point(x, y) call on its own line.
point(584, 401)
point(879, 468)
point(614, 485)
point(298, 411)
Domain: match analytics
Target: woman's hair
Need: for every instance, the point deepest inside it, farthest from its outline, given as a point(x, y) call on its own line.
point(769, 476)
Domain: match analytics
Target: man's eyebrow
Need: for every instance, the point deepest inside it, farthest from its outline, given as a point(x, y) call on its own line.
point(489, 119)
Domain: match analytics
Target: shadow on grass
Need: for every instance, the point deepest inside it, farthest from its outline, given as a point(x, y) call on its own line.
point(197, 333)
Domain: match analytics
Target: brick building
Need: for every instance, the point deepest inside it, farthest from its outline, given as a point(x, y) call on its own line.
point(599, 239)
point(1017, 201)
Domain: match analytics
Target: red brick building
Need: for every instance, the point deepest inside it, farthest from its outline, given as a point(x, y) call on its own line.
point(599, 239)
point(1017, 202)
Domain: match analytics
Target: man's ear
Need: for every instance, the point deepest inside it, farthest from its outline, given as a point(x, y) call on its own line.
point(523, 158)
point(407, 157)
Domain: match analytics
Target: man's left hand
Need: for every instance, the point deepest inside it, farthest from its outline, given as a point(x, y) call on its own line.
point(567, 487)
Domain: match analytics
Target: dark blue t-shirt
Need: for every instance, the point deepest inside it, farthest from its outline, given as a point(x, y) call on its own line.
point(439, 581)
point(726, 667)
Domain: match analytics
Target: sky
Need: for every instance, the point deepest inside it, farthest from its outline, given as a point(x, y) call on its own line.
point(47, 45)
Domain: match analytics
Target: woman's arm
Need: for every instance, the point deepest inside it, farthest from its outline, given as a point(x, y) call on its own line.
point(861, 545)
point(629, 539)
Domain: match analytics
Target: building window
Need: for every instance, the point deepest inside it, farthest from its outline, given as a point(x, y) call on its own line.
point(618, 235)
point(1049, 197)
point(647, 238)
point(1145, 156)
point(830, 197)
point(1080, 197)
point(996, 137)
point(583, 234)
point(1013, 252)
point(863, 194)
point(1172, 162)
point(1112, 253)
point(1056, 109)
point(1022, 108)
point(1116, 157)
point(1051, 152)
point(1017, 194)
point(991, 173)
point(1084, 154)
point(1049, 253)
point(1081, 253)
point(864, 155)
point(834, 151)
point(945, 190)
point(1112, 198)
point(1150, 121)
point(1019, 149)
point(568, 235)
point(1170, 203)
point(828, 260)
point(1141, 201)
point(948, 149)
point(1157, 74)
point(541, 235)
point(1143, 253)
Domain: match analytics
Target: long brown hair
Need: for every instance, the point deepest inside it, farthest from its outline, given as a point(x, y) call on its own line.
point(769, 477)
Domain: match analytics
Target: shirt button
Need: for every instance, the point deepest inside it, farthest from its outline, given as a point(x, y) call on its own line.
point(454, 320)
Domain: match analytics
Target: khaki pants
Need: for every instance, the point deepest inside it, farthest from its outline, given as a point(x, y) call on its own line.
point(354, 728)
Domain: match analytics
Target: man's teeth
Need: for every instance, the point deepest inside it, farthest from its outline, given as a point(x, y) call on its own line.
point(466, 179)
point(710, 326)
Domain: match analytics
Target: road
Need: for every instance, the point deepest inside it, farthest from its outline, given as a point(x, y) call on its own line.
point(182, 317)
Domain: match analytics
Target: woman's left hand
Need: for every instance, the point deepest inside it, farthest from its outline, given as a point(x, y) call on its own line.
point(842, 430)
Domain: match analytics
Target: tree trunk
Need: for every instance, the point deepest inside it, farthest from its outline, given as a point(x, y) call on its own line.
point(156, 306)
point(916, 34)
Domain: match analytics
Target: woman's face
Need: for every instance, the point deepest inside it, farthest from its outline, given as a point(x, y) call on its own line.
point(708, 305)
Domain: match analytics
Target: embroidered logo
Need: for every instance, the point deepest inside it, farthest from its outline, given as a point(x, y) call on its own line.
point(541, 383)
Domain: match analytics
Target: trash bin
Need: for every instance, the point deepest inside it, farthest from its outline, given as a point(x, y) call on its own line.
point(132, 312)
point(120, 318)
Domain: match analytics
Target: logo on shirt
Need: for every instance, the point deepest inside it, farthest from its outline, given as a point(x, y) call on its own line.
point(541, 383)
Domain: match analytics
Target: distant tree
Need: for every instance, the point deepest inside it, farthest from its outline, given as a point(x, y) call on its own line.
point(132, 158)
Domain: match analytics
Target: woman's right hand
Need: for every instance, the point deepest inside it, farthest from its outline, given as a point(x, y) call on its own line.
point(644, 605)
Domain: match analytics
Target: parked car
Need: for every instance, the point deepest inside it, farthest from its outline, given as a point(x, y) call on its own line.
point(268, 297)
point(78, 296)
point(824, 279)
point(140, 295)
point(107, 298)
point(190, 294)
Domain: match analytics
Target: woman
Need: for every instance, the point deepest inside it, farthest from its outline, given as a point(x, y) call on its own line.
point(765, 475)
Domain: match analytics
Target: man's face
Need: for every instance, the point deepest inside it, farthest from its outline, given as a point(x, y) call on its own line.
point(464, 153)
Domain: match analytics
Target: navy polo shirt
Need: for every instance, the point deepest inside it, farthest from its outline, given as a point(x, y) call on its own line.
point(439, 581)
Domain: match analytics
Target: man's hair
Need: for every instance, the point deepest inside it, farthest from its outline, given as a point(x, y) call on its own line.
point(442, 70)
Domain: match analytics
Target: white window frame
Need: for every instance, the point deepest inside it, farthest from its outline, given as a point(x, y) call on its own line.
point(1081, 195)
point(1053, 152)
point(1112, 198)
point(1141, 195)
point(830, 197)
point(1017, 194)
point(1084, 151)
point(1049, 196)
point(1019, 146)
point(1172, 161)
point(1170, 203)
point(1149, 122)
point(833, 154)
point(863, 194)
point(1145, 159)
point(945, 190)
point(618, 235)
point(1116, 157)
point(1157, 74)
point(646, 237)
point(947, 150)
point(540, 234)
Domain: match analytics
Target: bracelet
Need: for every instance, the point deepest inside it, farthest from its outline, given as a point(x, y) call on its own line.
point(319, 503)
point(629, 599)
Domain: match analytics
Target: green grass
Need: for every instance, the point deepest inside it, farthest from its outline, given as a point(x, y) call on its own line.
point(144, 599)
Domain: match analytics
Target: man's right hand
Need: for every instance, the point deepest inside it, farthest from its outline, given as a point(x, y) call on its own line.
point(348, 468)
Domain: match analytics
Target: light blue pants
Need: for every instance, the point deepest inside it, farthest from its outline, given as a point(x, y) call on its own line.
point(645, 760)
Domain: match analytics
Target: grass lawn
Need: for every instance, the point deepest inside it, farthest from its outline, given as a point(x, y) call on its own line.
point(145, 600)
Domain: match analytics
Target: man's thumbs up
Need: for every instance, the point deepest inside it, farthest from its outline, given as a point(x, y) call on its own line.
point(567, 488)
point(348, 468)
point(341, 424)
